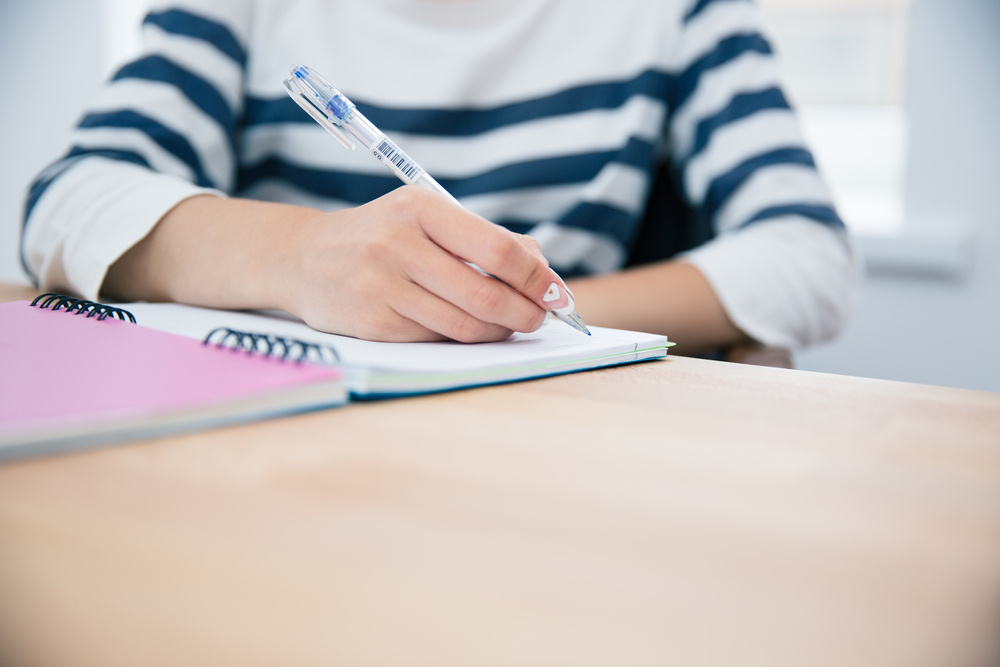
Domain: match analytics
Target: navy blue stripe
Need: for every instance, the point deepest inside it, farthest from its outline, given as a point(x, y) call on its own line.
point(170, 141)
point(179, 22)
point(740, 107)
point(824, 214)
point(472, 121)
point(699, 7)
point(360, 188)
point(560, 170)
point(724, 52)
point(110, 153)
point(726, 184)
point(601, 219)
point(350, 187)
point(201, 93)
point(41, 184)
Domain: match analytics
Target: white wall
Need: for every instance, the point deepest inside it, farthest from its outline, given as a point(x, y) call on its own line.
point(923, 328)
point(908, 327)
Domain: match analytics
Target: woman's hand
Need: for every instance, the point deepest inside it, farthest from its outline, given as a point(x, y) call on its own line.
point(393, 270)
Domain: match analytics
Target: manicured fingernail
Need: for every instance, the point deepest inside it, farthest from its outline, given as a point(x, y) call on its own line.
point(557, 297)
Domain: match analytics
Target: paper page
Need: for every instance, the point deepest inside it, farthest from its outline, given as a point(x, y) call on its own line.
point(553, 342)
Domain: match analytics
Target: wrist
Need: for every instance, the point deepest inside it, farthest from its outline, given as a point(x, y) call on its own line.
point(288, 253)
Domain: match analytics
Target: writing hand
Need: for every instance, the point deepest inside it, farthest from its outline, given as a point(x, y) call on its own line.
point(396, 269)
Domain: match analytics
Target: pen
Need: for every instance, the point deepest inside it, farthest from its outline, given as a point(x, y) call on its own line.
point(341, 118)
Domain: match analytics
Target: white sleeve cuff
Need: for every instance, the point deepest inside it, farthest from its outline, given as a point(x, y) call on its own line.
point(91, 215)
point(787, 282)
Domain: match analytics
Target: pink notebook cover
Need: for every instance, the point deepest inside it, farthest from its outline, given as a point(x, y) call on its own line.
point(59, 367)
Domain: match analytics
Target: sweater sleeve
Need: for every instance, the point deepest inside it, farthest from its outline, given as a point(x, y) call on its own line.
point(161, 130)
point(781, 261)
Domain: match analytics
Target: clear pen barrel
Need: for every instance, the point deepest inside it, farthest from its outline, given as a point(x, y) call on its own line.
point(386, 151)
point(364, 131)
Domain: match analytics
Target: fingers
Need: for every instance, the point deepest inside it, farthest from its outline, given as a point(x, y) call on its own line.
point(408, 314)
point(440, 319)
point(514, 259)
point(474, 293)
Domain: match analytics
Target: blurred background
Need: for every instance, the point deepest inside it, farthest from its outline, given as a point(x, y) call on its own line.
point(900, 100)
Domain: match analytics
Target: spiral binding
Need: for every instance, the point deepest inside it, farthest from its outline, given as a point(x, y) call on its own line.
point(78, 306)
point(269, 345)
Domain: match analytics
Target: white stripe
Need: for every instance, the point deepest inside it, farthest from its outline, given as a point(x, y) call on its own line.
point(493, 68)
point(621, 186)
point(751, 72)
point(305, 144)
point(773, 186)
point(737, 142)
point(200, 58)
point(169, 106)
point(135, 140)
point(571, 247)
point(546, 203)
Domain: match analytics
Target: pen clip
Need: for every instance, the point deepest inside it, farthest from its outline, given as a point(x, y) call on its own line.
point(338, 132)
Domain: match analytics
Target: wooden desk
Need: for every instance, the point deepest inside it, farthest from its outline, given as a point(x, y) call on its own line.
point(681, 512)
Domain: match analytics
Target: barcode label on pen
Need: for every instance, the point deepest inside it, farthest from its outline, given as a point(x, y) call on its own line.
point(400, 161)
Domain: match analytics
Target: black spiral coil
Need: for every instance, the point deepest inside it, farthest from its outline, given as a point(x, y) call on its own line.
point(101, 311)
point(269, 345)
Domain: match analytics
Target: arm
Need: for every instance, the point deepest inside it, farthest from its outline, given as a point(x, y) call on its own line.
point(671, 297)
point(388, 270)
point(789, 281)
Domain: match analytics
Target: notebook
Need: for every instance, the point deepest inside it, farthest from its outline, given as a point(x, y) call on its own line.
point(380, 370)
point(78, 373)
point(74, 373)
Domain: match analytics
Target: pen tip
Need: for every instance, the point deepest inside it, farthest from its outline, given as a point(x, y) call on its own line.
point(575, 321)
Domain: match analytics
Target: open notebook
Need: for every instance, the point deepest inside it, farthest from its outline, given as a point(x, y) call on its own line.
point(375, 370)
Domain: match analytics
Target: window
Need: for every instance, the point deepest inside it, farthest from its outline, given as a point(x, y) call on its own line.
point(844, 63)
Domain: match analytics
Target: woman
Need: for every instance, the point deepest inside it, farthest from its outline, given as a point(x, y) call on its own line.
point(557, 124)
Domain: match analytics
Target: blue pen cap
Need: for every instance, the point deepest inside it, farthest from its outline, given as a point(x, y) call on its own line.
point(324, 95)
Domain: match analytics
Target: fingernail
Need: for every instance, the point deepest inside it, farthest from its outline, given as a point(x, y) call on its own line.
point(557, 296)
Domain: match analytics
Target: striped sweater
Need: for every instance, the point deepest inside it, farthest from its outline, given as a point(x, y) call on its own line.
point(555, 118)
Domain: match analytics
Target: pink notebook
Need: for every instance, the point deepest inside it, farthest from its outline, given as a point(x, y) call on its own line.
point(70, 379)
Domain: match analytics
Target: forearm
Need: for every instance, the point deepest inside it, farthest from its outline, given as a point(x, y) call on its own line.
point(214, 251)
point(671, 298)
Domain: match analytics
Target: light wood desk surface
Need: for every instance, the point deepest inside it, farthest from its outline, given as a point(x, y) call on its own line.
point(682, 512)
